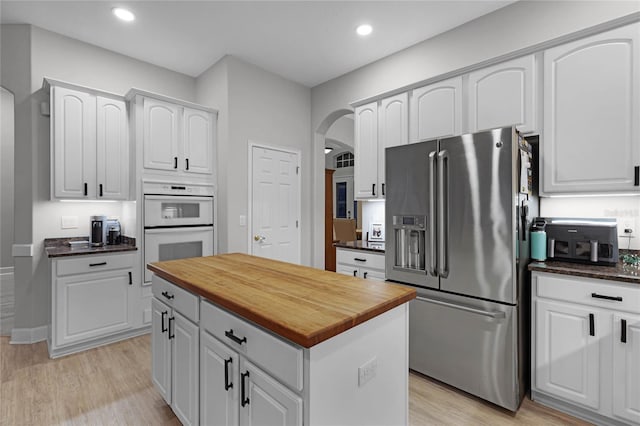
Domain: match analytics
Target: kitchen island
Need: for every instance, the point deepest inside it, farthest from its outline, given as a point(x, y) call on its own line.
point(239, 339)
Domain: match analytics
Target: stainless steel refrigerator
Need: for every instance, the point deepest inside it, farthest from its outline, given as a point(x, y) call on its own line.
point(457, 216)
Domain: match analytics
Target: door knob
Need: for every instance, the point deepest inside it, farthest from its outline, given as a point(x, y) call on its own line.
point(259, 238)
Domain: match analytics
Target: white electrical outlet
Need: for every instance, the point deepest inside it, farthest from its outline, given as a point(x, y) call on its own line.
point(69, 222)
point(367, 371)
point(243, 220)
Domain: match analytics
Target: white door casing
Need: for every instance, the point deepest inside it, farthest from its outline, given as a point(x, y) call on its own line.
point(274, 203)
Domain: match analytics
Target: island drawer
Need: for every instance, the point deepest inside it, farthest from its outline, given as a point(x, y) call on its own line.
point(360, 258)
point(281, 359)
point(588, 291)
point(179, 299)
point(93, 263)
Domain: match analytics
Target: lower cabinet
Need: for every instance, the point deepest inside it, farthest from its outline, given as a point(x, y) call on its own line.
point(360, 263)
point(586, 347)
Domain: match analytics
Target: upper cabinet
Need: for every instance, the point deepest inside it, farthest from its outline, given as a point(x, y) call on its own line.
point(89, 144)
point(591, 138)
point(436, 110)
point(160, 140)
point(378, 125)
point(504, 95)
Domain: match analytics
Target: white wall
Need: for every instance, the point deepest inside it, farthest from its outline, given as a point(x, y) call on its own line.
point(372, 212)
point(6, 176)
point(520, 25)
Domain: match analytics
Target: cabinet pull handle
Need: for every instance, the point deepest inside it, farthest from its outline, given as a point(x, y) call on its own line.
point(175, 162)
point(602, 296)
point(636, 178)
point(167, 295)
point(235, 338)
point(97, 264)
point(187, 161)
point(592, 325)
point(383, 189)
point(100, 186)
point(355, 272)
point(130, 278)
point(227, 384)
point(164, 316)
point(171, 334)
point(373, 189)
point(623, 331)
point(359, 259)
point(243, 397)
point(86, 189)
point(365, 275)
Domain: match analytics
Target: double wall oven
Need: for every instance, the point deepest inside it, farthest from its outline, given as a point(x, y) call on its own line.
point(178, 222)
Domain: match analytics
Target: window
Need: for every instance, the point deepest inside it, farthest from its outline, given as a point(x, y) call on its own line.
point(344, 160)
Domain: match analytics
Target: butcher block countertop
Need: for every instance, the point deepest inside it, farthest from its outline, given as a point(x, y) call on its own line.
point(302, 304)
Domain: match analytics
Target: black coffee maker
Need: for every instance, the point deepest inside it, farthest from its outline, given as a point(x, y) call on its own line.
point(98, 230)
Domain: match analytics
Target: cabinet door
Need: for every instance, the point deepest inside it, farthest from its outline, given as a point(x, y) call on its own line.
point(184, 369)
point(372, 274)
point(160, 349)
point(347, 270)
point(160, 139)
point(264, 401)
point(198, 141)
point(626, 367)
point(504, 95)
point(393, 129)
point(591, 113)
point(219, 385)
point(73, 144)
point(112, 144)
point(365, 151)
point(567, 355)
point(436, 110)
point(91, 305)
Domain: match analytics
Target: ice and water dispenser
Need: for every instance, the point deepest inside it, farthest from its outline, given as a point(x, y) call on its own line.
point(410, 233)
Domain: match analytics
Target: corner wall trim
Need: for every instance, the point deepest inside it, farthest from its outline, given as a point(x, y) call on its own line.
point(27, 336)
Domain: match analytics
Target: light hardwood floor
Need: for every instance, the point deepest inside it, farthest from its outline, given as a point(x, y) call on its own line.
point(111, 385)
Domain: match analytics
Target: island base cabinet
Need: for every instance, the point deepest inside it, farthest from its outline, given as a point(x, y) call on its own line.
point(219, 383)
point(160, 349)
point(626, 367)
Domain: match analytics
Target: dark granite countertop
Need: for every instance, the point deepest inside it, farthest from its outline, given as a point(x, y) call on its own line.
point(375, 246)
point(59, 247)
point(618, 272)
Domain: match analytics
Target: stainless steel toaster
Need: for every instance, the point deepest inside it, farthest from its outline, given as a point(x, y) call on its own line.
point(582, 240)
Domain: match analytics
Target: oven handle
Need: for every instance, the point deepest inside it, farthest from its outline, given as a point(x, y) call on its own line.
point(182, 230)
point(177, 197)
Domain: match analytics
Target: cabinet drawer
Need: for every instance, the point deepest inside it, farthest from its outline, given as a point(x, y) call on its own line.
point(93, 263)
point(588, 291)
point(281, 359)
point(360, 258)
point(179, 299)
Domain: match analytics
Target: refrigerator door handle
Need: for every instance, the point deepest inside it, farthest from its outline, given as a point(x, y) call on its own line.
point(443, 214)
point(490, 314)
point(433, 260)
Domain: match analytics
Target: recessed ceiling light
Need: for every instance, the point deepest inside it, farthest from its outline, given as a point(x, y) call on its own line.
point(123, 14)
point(364, 29)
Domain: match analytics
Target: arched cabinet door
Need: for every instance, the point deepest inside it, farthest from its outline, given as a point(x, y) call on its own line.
point(436, 110)
point(365, 151)
point(161, 135)
point(112, 144)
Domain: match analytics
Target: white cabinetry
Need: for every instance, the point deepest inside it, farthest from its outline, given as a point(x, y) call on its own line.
point(585, 342)
point(592, 114)
point(436, 110)
point(378, 125)
point(504, 95)
point(360, 263)
point(175, 349)
point(92, 301)
point(89, 144)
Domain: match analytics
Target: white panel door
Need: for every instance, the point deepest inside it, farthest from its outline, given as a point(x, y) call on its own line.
point(592, 114)
point(264, 401)
point(435, 111)
point(393, 130)
point(160, 349)
point(185, 380)
point(504, 95)
point(112, 144)
point(626, 367)
point(567, 355)
point(160, 135)
point(198, 141)
point(74, 144)
point(275, 204)
point(219, 383)
point(365, 152)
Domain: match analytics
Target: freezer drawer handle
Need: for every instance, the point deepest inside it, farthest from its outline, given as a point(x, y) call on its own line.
point(235, 338)
point(623, 331)
point(227, 385)
point(602, 296)
point(490, 314)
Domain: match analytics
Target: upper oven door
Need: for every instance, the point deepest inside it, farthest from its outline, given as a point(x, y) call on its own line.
point(168, 210)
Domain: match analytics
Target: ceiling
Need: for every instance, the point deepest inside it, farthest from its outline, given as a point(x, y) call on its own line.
point(309, 42)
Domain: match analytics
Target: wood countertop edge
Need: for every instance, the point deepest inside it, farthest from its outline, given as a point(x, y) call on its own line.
point(303, 340)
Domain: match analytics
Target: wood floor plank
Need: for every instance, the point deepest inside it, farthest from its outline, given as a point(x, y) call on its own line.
point(111, 385)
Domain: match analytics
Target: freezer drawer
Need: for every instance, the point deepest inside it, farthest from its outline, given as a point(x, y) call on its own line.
point(467, 343)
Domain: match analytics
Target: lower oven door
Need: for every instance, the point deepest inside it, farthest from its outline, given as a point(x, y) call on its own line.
point(176, 243)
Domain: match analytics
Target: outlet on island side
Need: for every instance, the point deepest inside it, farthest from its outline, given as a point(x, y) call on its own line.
point(367, 371)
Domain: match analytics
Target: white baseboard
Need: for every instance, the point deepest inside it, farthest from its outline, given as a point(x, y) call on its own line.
point(26, 336)
point(94, 343)
point(7, 300)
